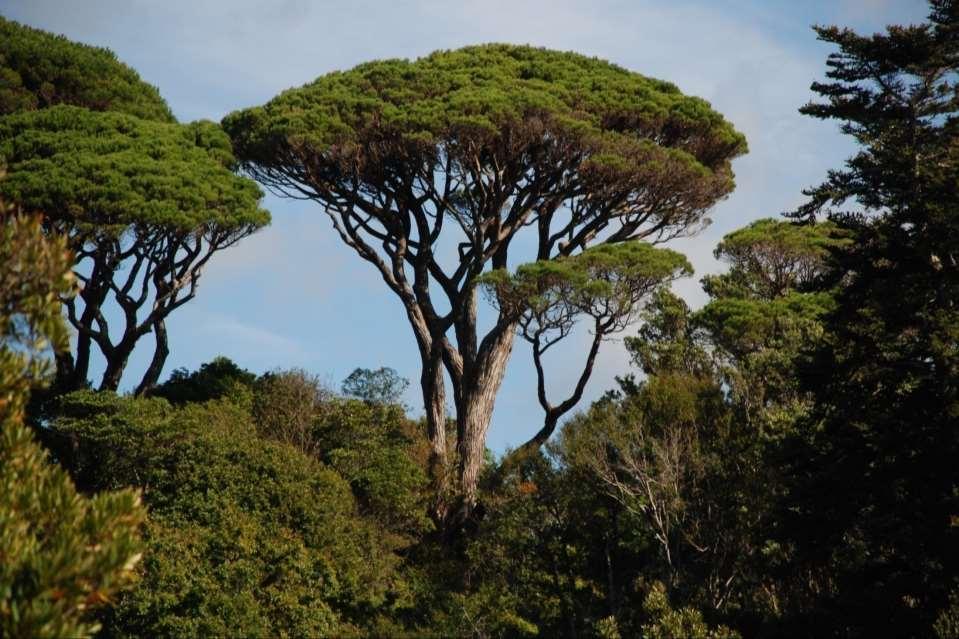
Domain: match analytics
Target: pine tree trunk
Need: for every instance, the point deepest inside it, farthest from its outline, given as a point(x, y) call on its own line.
point(434, 402)
point(116, 363)
point(152, 374)
point(475, 413)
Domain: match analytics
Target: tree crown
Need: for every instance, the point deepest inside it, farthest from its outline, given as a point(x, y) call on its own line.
point(485, 94)
point(495, 102)
point(770, 258)
point(103, 169)
point(593, 281)
point(39, 69)
point(497, 138)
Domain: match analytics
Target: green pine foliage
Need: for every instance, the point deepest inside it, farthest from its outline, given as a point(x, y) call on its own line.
point(144, 204)
point(39, 70)
point(686, 623)
point(100, 171)
point(478, 95)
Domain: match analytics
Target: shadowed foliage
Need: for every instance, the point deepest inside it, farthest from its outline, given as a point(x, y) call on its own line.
point(227, 507)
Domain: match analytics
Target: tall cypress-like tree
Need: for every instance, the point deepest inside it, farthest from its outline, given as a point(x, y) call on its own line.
point(876, 496)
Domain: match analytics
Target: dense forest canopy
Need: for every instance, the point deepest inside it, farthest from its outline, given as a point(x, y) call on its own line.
point(778, 462)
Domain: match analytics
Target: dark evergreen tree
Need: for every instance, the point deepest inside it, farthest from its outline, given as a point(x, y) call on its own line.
point(873, 512)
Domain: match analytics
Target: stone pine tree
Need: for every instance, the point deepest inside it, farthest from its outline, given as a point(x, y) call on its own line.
point(145, 205)
point(145, 202)
point(439, 170)
point(876, 497)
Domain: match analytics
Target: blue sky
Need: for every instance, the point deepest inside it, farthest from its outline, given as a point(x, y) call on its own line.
point(292, 295)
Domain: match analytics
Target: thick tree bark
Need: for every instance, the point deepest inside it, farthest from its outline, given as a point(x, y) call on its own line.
point(434, 402)
point(476, 411)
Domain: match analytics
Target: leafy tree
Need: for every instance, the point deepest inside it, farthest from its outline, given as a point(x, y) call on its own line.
point(383, 385)
point(764, 312)
point(649, 457)
point(686, 623)
point(769, 259)
point(530, 567)
point(39, 70)
point(145, 205)
point(691, 452)
point(286, 406)
point(218, 378)
point(62, 556)
point(372, 446)
point(245, 535)
point(454, 155)
point(874, 499)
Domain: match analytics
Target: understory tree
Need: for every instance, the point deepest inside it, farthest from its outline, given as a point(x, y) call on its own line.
point(687, 451)
point(244, 536)
point(443, 169)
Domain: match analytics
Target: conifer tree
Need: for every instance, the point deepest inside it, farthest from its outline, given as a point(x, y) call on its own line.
point(875, 507)
point(439, 170)
point(145, 202)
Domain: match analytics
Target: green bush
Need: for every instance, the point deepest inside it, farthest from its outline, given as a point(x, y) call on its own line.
point(61, 556)
point(245, 535)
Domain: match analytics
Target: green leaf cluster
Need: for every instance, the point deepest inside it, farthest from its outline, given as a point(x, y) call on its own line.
point(771, 258)
point(604, 279)
point(493, 101)
point(685, 623)
point(218, 378)
point(62, 556)
point(371, 445)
